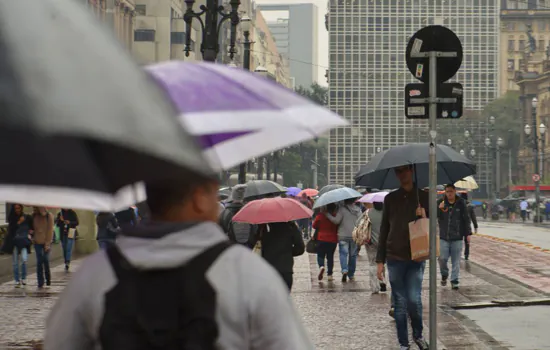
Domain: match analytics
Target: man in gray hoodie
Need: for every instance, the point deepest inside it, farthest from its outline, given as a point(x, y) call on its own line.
point(345, 218)
point(252, 306)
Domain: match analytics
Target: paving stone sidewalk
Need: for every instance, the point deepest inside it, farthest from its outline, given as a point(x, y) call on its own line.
point(348, 316)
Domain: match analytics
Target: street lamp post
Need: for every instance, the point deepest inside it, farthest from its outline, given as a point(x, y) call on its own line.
point(215, 15)
point(245, 25)
point(500, 143)
point(536, 140)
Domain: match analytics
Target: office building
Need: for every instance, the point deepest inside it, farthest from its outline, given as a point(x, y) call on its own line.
point(295, 35)
point(368, 74)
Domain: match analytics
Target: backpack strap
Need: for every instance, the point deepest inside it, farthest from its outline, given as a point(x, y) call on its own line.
point(119, 263)
point(204, 260)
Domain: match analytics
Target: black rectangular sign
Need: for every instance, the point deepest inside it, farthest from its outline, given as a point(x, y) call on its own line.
point(415, 108)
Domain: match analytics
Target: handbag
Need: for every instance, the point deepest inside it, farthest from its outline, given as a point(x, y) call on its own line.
point(71, 233)
point(312, 244)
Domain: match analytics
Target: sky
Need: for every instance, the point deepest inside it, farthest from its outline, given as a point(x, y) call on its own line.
point(322, 35)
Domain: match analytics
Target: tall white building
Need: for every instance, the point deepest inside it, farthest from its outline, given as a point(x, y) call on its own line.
point(368, 73)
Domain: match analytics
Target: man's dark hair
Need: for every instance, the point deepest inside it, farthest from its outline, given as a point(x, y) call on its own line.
point(163, 195)
point(378, 206)
point(450, 186)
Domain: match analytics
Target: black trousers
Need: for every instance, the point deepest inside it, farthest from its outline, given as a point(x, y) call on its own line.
point(466, 247)
point(287, 277)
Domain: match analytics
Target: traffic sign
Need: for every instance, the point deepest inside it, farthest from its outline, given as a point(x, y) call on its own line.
point(536, 177)
point(449, 106)
point(434, 38)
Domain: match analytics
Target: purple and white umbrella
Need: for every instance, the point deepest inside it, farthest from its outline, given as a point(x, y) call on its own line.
point(237, 114)
point(377, 197)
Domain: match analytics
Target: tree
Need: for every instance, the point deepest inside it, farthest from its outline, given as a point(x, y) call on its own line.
point(296, 163)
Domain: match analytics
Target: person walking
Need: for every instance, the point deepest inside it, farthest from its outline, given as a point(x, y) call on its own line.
point(473, 220)
point(237, 232)
point(107, 229)
point(454, 227)
point(327, 238)
point(303, 224)
point(281, 242)
point(42, 236)
point(127, 217)
point(374, 216)
point(184, 264)
point(22, 226)
point(345, 218)
point(401, 207)
point(523, 206)
point(67, 222)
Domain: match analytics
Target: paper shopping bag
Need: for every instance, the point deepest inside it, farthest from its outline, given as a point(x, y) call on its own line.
point(71, 233)
point(419, 235)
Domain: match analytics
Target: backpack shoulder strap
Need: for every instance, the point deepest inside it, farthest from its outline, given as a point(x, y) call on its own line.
point(119, 263)
point(204, 260)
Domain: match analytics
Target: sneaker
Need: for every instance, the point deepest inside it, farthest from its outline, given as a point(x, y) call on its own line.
point(17, 284)
point(422, 344)
point(330, 278)
point(404, 347)
point(345, 277)
point(66, 267)
point(41, 287)
point(48, 283)
point(23, 282)
point(392, 312)
point(321, 273)
point(454, 285)
point(352, 279)
point(383, 287)
point(444, 281)
point(465, 258)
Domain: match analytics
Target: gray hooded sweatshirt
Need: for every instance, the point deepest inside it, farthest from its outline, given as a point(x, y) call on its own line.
point(345, 218)
point(254, 308)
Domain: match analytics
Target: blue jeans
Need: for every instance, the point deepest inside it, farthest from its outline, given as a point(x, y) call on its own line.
point(326, 250)
point(24, 254)
point(452, 249)
point(105, 243)
point(42, 264)
point(67, 244)
point(406, 283)
point(348, 256)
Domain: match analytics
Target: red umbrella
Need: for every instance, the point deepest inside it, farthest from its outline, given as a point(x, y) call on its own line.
point(268, 210)
point(310, 192)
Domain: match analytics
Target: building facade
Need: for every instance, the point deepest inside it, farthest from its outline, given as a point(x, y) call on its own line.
point(368, 74)
point(296, 39)
point(118, 15)
point(524, 39)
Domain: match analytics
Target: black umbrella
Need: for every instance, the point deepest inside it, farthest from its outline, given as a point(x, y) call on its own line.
point(262, 188)
point(78, 114)
point(379, 173)
point(329, 188)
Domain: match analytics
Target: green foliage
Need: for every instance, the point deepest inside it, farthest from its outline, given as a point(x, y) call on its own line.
point(296, 163)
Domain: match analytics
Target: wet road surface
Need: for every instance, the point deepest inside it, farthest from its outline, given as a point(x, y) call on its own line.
point(537, 236)
point(519, 328)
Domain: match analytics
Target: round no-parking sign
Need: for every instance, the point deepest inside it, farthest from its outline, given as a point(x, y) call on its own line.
point(536, 177)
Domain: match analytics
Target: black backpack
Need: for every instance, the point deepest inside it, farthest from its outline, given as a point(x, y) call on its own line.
point(241, 233)
point(163, 309)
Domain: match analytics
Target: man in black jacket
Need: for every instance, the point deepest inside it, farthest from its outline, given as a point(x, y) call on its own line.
point(454, 225)
point(473, 219)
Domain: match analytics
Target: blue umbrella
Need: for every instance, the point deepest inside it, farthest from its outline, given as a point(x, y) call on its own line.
point(476, 203)
point(293, 191)
point(337, 195)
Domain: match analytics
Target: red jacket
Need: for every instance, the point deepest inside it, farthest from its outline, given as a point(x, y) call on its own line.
point(326, 230)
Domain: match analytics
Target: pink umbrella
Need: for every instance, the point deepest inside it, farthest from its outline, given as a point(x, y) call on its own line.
point(310, 192)
point(268, 210)
point(373, 197)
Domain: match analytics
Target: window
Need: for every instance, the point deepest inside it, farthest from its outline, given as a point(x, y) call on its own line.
point(541, 45)
point(141, 10)
point(511, 4)
point(144, 35)
point(177, 38)
point(511, 64)
point(511, 45)
point(541, 26)
point(521, 45)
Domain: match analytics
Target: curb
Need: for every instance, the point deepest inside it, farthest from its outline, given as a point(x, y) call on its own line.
point(502, 303)
point(513, 241)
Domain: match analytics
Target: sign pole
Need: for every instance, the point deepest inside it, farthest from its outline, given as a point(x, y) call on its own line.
point(433, 200)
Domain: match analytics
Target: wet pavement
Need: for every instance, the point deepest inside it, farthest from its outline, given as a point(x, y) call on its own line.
point(347, 316)
point(24, 310)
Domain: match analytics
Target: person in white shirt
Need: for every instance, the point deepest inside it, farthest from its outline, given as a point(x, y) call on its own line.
point(523, 206)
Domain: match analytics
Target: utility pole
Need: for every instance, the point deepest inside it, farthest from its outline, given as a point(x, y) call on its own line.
point(314, 167)
point(245, 24)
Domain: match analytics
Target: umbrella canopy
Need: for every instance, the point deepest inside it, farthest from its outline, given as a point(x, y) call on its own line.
point(310, 192)
point(262, 188)
point(377, 197)
point(268, 210)
point(329, 188)
point(379, 172)
point(232, 109)
point(337, 195)
point(467, 183)
point(76, 123)
point(293, 191)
